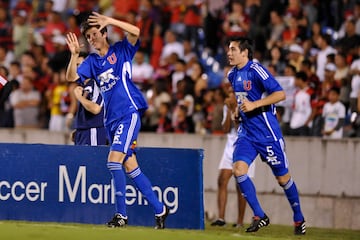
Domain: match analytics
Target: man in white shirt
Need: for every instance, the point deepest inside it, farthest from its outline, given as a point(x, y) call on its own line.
point(333, 115)
point(172, 46)
point(323, 43)
point(301, 114)
point(142, 71)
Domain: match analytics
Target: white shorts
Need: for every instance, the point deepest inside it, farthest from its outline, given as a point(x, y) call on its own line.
point(227, 157)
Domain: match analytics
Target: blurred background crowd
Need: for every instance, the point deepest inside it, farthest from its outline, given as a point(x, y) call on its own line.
point(312, 47)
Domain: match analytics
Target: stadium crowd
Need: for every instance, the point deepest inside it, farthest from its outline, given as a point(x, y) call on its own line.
point(311, 46)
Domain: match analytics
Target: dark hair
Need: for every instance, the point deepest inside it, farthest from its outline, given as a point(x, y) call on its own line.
point(301, 75)
point(291, 67)
point(181, 61)
point(335, 89)
point(326, 38)
point(244, 43)
point(83, 54)
point(307, 63)
point(166, 104)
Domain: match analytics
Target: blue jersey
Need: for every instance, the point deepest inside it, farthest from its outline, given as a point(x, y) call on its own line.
point(112, 73)
point(253, 82)
point(85, 119)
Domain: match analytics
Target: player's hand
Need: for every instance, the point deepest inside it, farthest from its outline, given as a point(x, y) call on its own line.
point(98, 19)
point(73, 43)
point(247, 106)
point(78, 92)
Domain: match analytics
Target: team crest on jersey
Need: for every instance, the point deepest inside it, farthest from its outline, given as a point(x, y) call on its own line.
point(106, 76)
point(247, 85)
point(112, 59)
point(107, 80)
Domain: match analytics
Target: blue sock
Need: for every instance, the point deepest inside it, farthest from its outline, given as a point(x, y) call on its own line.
point(120, 186)
point(248, 191)
point(144, 185)
point(292, 195)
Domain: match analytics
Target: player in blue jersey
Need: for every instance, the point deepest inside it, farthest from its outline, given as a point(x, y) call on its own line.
point(259, 131)
point(89, 117)
point(124, 105)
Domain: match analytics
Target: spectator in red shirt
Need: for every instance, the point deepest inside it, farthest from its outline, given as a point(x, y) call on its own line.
point(164, 122)
point(54, 26)
point(193, 22)
point(237, 22)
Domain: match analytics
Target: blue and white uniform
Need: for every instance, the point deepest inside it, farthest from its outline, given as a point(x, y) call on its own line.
point(227, 157)
point(89, 127)
point(259, 130)
point(123, 101)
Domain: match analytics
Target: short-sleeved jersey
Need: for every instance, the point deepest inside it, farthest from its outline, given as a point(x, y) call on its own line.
point(112, 74)
point(85, 119)
point(253, 82)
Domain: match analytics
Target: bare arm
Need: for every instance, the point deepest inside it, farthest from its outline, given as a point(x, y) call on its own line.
point(231, 104)
point(102, 20)
point(90, 106)
point(273, 98)
point(74, 47)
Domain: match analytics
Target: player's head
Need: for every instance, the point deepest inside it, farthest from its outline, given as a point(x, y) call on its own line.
point(240, 51)
point(92, 33)
point(80, 59)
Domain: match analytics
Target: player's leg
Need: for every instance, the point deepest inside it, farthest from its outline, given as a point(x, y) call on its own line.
point(276, 159)
point(117, 134)
point(115, 167)
point(292, 194)
point(241, 208)
point(144, 185)
point(244, 154)
point(128, 137)
point(223, 180)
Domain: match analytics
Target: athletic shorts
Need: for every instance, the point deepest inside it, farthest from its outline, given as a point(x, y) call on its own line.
point(227, 158)
point(273, 153)
point(123, 133)
point(91, 137)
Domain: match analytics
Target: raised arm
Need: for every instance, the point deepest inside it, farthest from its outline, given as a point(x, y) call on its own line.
point(74, 47)
point(102, 20)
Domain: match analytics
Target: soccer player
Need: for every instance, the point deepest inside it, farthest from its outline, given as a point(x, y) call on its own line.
point(89, 117)
point(259, 132)
point(124, 105)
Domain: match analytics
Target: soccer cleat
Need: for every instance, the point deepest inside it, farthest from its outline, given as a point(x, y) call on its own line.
point(218, 222)
point(258, 223)
point(117, 221)
point(300, 228)
point(160, 220)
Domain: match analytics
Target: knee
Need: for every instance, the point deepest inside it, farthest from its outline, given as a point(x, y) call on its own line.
point(283, 180)
point(240, 168)
point(115, 156)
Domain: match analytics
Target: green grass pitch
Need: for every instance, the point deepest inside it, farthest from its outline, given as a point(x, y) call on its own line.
point(14, 230)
